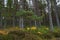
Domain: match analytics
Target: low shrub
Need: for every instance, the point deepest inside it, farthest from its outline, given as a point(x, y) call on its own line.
point(1, 37)
point(56, 34)
point(22, 35)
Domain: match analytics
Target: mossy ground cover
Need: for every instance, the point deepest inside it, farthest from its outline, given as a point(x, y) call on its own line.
point(29, 33)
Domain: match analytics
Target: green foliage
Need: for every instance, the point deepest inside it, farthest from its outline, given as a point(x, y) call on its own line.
point(1, 5)
point(21, 35)
point(42, 5)
point(6, 14)
point(56, 32)
point(44, 33)
point(9, 3)
point(1, 37)
point(24, 13)
point(35, 17)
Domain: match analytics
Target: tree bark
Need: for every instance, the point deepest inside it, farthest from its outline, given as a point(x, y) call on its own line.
point(21, 22)
point(56, 13)
point(49, 13)
point(15, 10)
point(1, 8)
point(0, 20)
point(36, 10)
point(35, 24)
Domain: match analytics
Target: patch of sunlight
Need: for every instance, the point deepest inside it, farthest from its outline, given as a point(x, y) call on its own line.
point(33, 28)
point(39, 32)
point(3, 32)
point(28, 28)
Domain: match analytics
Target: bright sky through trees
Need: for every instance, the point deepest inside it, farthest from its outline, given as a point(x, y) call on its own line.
point(58, 2)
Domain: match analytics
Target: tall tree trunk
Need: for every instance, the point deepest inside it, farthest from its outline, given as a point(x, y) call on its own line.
point(56, 13)
point(24, 6)
point(36, 10)
point(21, 19)
point(15, 10)
point(5, 23)
point(21, 22)
point(49, 13)
point(0, 19)
point(35, 24)
point(9, 6)
point(1, 9)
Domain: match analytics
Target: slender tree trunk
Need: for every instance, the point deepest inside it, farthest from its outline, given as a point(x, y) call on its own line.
point(24, 5)
point(40, 23)
point(1, 9)
point(22, 23)
point(36, 9)
point(15, 10)
point(13, 21)
point(35, 24)
point(49, 13)
point(5, 23)
point(0, 20)
point(56, 13)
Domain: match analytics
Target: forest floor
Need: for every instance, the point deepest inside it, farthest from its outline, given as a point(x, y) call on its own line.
point(42, 32)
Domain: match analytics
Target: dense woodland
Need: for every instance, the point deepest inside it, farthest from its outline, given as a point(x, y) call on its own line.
point(23, 13)
point(29, 20)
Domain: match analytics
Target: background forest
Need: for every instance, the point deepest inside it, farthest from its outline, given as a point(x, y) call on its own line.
point(30, 16)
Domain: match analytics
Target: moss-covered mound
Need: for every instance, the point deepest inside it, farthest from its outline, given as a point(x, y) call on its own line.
point(20, 35)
